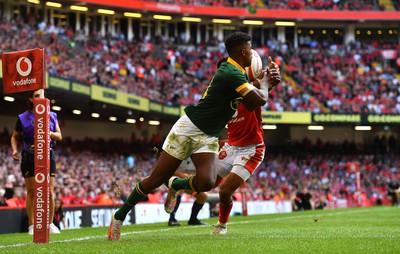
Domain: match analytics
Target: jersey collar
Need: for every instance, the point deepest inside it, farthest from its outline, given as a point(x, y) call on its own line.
point(233, 62)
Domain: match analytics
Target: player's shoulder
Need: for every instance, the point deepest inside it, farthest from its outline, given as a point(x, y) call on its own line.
point(228, 67)
point(24, 114)
point(229, 71)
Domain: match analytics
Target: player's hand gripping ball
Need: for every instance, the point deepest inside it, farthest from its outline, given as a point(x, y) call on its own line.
point(254, 70)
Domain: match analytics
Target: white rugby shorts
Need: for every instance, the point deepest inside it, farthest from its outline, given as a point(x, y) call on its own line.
point(185, 139)
point(241, 160)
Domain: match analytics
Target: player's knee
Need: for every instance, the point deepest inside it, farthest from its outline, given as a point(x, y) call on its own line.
point(201, 197)
point(225, 192)
point(205, 185)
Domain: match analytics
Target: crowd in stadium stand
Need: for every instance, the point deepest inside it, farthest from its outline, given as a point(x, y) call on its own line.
point(354, 5)
point(105, 175)
point(346, 78)
point(322, 76)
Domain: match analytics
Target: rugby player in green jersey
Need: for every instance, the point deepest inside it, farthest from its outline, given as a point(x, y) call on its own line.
point(195, 134)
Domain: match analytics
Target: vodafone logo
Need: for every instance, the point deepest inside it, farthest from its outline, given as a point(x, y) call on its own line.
point(40, 178)
point(40, 109)
point(24, 70)
point(28, 63)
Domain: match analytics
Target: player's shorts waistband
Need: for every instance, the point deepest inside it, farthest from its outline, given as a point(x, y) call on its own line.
point(262, 145)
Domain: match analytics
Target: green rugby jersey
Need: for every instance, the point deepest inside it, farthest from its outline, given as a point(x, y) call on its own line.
point(221, 99)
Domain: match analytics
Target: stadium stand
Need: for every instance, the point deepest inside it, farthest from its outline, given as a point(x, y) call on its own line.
point(293, 4)
point(321, 76)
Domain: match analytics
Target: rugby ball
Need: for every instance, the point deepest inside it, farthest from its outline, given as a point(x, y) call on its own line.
point(255, 67)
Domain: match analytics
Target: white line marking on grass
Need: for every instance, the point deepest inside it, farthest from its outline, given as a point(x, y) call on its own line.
point(176, 228)
point(13, 245)
point(88, 238)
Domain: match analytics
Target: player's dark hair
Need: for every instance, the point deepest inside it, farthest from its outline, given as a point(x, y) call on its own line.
point(222, 60)
point(29, 103)
point(236, 39)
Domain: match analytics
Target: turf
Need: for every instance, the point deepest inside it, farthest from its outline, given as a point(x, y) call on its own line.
point(355, 230)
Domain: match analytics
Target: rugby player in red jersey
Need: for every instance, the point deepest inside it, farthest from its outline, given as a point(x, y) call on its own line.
point(240, 156)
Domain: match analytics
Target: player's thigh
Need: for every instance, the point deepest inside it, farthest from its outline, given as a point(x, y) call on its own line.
point(165, 167)
point(206, 170)
point(205, 157)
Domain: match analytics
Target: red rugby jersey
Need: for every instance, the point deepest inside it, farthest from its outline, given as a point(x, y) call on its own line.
point(245, 128)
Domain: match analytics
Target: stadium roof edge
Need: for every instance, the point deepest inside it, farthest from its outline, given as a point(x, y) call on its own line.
point(243, 12)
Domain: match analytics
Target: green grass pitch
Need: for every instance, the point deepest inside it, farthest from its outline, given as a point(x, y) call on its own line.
point(354, 230)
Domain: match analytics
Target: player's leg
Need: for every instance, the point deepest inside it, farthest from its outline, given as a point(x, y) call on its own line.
point(30, 190)
point(204, 179)
point(226, 157)
point(231, 183)
point(218, 181)
point(198, 204)
point(165, 167)
point(28, 171)
point(172, 220)
point(245, 163)
point(202, 149)
point(163, 170)
point(53, 228)
point(52, 197)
